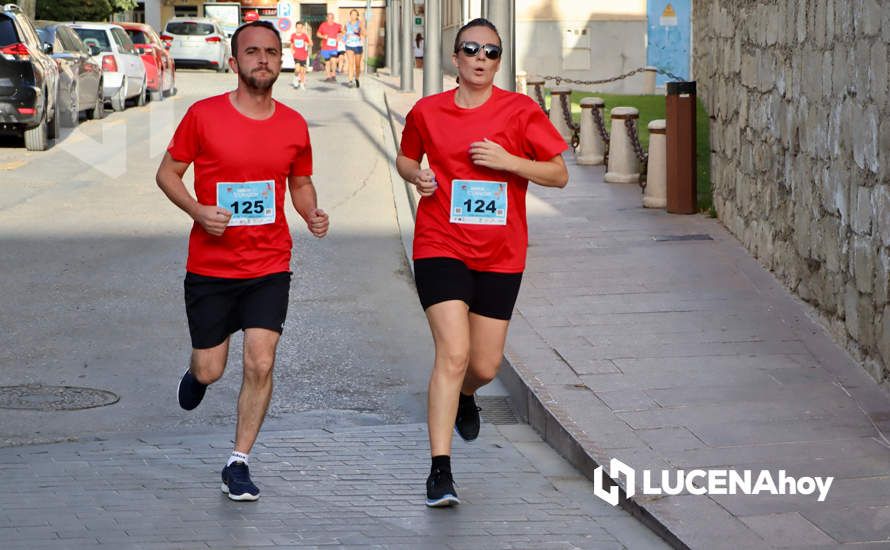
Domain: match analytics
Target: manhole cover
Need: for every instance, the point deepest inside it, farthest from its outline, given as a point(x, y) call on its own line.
point(496, 410)
point(37, 397)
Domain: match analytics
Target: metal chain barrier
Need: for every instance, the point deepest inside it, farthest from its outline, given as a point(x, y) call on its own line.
point(560, 79)
point(539, 95)
point(642, 156)
point(601, 128)
point(567, 115)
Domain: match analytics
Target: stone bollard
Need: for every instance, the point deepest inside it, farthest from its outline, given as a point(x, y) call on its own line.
point(624, 166)
point(522, 82)
point(655, 194)
point(649, 80)
point(535, 85)
point(557, 111)
point(591, 148)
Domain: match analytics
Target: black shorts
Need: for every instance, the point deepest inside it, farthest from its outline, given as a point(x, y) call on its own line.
point(486, 293)
point(299, 62)
point(218, 307)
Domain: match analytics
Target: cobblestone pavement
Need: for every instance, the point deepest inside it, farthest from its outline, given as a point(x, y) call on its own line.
point(359, 487)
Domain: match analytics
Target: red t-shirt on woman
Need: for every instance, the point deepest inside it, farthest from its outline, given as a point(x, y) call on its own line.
point(437, 127)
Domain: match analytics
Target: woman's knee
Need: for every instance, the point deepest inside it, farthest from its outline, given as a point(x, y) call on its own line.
point(453, 362)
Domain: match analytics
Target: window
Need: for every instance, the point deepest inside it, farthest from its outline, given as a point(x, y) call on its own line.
point(7, 32)
point(123, 41)
point(138, 37)
point(94, 37)
point(189, 28)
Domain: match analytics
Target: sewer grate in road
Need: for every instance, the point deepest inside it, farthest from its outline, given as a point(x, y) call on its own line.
point(37, 397)
point(693, 237)
point(496, 410)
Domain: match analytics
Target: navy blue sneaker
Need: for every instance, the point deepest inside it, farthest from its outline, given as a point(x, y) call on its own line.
point(236, 482)
point(440, 490)
point(190, 391)
point(466, 424)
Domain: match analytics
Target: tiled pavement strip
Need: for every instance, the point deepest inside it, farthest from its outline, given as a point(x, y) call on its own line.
point(688, 354)
point(359, 487)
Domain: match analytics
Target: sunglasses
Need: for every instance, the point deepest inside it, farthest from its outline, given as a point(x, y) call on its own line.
point(492, 51)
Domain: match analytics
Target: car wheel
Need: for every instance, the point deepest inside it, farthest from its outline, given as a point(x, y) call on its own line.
point(52, 127)
point(36, 138)
point(119, 101)
point(98, 112)
point(70, 115)
point(140, 100)
point(157, 95)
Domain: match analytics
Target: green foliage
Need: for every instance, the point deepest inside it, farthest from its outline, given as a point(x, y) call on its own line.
point(122, 5)
point(74, 10)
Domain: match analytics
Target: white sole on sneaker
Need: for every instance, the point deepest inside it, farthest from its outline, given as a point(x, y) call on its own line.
point(447, 500)
point(240, 498)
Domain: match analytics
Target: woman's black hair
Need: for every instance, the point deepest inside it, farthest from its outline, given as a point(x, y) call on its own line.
point(478, 22)
point(417, 39)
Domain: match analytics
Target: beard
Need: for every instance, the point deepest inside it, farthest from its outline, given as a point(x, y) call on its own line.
point(258, 83)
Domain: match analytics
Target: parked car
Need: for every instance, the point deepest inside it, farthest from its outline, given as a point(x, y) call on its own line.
point(80, 76)
point(197, 42)
point(28, 81)
point(123, 74)
point(160, 69)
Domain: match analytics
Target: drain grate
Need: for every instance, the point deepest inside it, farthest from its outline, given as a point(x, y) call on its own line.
point(693, 237)
point(37, 397)
point(496, 410)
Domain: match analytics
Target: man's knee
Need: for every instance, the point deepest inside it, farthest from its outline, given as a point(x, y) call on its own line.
point(208, 367)
point(259, 355)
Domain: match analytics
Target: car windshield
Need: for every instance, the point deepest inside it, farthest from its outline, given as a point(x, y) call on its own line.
point(45, 36)
point(189, 28)
point(138, 37)
point(7, 32)
point(94, 37)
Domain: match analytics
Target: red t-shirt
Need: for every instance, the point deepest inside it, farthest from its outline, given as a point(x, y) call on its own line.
point(300, 53)
point(226, 146)
point(330, 31)
point(443, 131)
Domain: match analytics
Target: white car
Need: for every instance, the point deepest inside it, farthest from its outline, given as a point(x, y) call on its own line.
point(123, 73)
point(197, 42)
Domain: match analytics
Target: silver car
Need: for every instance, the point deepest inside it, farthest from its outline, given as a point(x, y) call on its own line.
point(123, 73)
point(197, 42)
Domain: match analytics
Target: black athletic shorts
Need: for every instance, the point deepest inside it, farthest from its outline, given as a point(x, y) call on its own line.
point(299, 62)
point(218, 307)
point(486, 293)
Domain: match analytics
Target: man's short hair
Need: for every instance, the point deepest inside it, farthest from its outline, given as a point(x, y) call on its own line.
point(262, 24)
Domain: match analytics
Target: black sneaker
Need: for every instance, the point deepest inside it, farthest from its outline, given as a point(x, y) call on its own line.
point(190, 391)
point(440, 490)
point(467, 422)
point(236, 482)
point(357, 85)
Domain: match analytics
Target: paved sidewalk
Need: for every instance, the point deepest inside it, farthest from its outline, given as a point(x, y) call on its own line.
point(346, 488)
point(680, 354)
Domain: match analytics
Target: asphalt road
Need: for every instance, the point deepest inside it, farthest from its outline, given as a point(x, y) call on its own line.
point(92, 258)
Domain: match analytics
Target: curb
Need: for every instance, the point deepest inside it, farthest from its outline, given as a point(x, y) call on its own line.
point(527, 400)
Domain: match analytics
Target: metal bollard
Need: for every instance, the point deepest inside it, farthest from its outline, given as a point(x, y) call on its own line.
point(649, 80)
point(522, 82)
point(681, 176)
point(592, 148)
point(624, 167)
point(557, 113)
point(536, 87)
point(655, 194)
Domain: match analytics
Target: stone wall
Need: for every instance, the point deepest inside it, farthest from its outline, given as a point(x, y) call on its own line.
point(797, 92)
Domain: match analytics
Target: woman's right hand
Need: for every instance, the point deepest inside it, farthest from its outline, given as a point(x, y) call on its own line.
point(425, 181)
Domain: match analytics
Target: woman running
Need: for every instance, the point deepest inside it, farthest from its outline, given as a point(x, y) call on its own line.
point(355, 30)
point(483, 144)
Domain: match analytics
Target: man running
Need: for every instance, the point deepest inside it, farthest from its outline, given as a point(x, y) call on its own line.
point(248, 150)
point(330, 32)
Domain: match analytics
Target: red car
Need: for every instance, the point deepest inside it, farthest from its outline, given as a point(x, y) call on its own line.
point(160, 70)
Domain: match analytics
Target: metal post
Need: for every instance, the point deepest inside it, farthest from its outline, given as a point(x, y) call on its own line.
point(406, 56)
point(681, 177)
point(500, 12)
point(388, 30)
point(432, 48)
point(392, 40)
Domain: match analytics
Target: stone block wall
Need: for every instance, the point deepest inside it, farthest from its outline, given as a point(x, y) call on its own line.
point(797, 92)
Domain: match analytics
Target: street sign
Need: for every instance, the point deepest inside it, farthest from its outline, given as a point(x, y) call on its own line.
point(251, 16)
point(285, 9)
point(283, 24)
